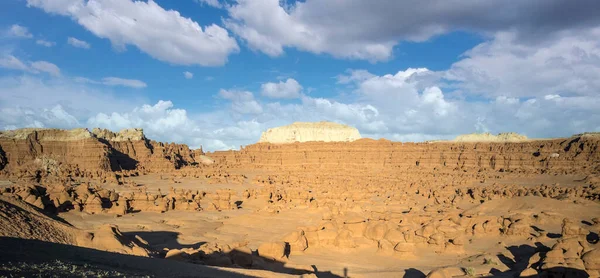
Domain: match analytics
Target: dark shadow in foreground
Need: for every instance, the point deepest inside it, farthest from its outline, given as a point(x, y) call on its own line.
point(162, 239)
point(15, 251)
point(413, 273)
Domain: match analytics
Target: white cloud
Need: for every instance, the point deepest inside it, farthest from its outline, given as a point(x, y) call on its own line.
point(34, 93)
point(19, 31)
point(288, 29)
point(369, 30)
point(162, 34)
point(569, 64)
point(542, 88)
point(62, 7)
point(159, 119)
point(116, 81)
point(188, 75)
point(57, 117)
point(165, 123)
point(13, 63)
point(113, 81)
point(211, 3)
point(353, 76)
point(45, 43)
point(47, 67)
point(242, 102)
point(78, 43)
point(288, 89)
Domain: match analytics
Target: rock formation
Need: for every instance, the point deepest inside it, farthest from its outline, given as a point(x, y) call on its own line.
point(308, 132)
point(39, 152)
point(563, 155)
point(488, 137)
point(392, 201)
point(20, 220)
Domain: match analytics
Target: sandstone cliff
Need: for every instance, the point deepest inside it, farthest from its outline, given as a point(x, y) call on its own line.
point(77, 147)
point(576, 154)
point(307, 132)
point(488, 137)
point(132, 150)
point(88, 153)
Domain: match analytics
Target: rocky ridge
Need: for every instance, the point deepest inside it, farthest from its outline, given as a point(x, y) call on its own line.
point(488, 137)
point(307, 132)
point(38, 152)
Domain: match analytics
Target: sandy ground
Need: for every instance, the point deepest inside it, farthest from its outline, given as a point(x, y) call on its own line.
point(183, 229)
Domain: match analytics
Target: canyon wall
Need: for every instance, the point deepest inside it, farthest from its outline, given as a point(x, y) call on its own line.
point(566, 155)
point(93, 152)
point(50, 147)
point(308, 132)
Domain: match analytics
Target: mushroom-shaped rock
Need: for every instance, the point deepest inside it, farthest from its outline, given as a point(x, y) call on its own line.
point(344, 239)
point(591, 260)
point(297, 241)
point(376, 231)
point(273, 250)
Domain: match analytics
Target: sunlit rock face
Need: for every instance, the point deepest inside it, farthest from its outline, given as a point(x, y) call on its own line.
point(488, 137)
point(306, 132)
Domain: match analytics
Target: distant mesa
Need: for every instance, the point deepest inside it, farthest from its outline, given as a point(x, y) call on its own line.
point(488, 137)
point(310, 131)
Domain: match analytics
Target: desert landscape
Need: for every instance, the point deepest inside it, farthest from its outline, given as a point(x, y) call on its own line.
point(307, 200)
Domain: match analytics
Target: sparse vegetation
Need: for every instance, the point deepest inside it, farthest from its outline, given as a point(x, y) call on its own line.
point(470, 271)
point(59, 269)
point(489, 261)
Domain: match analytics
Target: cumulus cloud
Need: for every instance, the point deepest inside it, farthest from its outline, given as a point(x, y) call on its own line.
point(541, 87)
point(188, 75)
point(19, 31)
point(166, 123)
point(288, 89)
point(430, 115)
point(569, 64)
point(78, 43)
point(242, 102)
point(369, 30)
point(160, 119)
point(163, 34)
point(34, 93)
point(45, 43)
point(55, 117)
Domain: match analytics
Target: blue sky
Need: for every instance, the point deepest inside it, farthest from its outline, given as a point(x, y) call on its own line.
point(217, 73)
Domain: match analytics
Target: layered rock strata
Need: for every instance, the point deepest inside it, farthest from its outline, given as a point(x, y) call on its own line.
point(308, 132)
point(42, 151)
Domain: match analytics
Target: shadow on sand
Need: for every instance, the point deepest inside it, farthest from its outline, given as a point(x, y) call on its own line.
point(162, 239)
point(17, 251)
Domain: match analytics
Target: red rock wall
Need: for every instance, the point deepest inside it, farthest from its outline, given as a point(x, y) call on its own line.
point(92, 154)
point(86, 153)
point(575, 155)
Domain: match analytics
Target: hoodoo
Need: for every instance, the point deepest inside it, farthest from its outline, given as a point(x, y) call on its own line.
point(307, 132)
